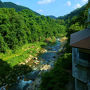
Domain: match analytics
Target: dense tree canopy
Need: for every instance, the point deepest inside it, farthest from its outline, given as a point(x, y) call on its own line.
point(19, 28)
point(76, 23)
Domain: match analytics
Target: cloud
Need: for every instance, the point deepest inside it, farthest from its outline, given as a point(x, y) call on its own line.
point(40, 10)
point(77, 6)
point(84, 1)
point(45, 1)
point(69, 3)
point(17, 3)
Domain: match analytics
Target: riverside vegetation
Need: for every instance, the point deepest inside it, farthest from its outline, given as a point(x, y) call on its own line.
point(60, 76)
point(23, 33)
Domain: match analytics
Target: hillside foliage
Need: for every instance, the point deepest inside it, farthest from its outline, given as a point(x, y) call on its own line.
point(58, 77)
point(19, 28)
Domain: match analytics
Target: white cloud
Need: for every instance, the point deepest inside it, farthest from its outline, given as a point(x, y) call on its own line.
point(84, 1)
point(77, 6)
point(45, 1)
point(40, 10)
point(69, 3)
point(17, 3)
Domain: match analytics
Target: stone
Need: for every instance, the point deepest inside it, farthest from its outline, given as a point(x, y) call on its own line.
point(45, 67)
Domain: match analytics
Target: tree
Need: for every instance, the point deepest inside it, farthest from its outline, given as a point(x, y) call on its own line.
point(3, 45)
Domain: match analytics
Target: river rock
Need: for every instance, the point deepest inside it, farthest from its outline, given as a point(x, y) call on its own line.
point(45, 67)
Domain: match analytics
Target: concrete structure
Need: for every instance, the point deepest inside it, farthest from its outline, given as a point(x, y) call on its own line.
point(81, 68)
point(80, 41)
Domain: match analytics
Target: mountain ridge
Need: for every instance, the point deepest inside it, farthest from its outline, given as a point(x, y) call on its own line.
point(52, 16)
point(15, 6)
point(20, 8)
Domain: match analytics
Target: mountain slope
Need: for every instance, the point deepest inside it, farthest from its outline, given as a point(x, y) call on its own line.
point(12, 5)
point(51, 16)
point(1, 4)
point(15, 6)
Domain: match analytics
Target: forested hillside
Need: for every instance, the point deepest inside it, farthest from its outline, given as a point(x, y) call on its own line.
point(15, 6)
point(24, 33)
point(21, 35)
point(19, 28)
point(76, 23)
point(11, 5)
point(53, 17)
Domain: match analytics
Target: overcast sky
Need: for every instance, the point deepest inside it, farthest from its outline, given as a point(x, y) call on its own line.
point(50, 7)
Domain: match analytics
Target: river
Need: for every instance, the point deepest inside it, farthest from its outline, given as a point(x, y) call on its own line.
point(48, 59)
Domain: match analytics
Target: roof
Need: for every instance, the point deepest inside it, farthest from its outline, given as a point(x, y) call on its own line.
point(81, 39)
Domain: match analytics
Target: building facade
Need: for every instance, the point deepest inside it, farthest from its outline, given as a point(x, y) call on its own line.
point(81, 68)
point(80, 42)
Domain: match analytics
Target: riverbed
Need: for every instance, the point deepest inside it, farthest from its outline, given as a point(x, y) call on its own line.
point(32, 79)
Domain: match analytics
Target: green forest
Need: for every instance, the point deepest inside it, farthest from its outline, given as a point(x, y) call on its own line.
point(21, 29)
point(61, 74)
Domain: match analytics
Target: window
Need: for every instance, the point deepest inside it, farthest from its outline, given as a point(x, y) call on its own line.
point(84, 54)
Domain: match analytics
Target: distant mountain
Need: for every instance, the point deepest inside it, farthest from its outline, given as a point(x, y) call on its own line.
point(13, 5)
point(1, 4)
point(51, 16)
point(73, 13)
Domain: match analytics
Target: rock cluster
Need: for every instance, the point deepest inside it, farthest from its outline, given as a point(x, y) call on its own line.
point(45, 67)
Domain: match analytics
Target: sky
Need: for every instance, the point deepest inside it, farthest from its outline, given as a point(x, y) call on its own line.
point(50, 7)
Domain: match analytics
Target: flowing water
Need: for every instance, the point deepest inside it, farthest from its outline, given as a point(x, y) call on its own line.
point(48, 59)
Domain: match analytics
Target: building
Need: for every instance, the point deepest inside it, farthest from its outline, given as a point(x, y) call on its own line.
point(80, 42)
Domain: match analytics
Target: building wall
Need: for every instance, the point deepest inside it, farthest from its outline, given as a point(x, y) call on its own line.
point(79, 72)
point(74, 61)
point(80, 85)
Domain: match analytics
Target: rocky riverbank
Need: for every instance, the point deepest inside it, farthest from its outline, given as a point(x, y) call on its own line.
point(40, 64)
point(49, 58)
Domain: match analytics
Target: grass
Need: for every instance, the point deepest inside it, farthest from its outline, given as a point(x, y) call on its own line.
point(10, 62)
point(21, 54)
